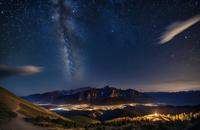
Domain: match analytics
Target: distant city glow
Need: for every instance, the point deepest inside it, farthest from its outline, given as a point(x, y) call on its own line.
point(88, 107)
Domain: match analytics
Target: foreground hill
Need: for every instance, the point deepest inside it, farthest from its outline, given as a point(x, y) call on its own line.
point(106, 95)
point(14, 111)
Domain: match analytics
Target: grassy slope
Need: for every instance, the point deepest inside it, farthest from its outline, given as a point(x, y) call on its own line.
point(6, 114)
point(83, 120)
point(10, 104)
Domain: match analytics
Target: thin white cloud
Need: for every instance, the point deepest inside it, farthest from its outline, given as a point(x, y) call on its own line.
point(6, 71)
point(178, 27)
point(29, 70)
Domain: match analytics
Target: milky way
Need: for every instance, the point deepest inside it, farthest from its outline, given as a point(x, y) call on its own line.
point(67, 38)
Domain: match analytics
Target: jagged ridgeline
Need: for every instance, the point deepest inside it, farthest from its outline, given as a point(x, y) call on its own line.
point(107, 95)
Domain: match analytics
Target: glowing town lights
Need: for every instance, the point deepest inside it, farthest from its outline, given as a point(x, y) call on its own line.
point(156, 114)
point(89, 107)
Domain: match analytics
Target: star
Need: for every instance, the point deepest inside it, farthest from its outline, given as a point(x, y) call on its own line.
point(186, 37)
point(154, 26)
point(172, 56)
point(2, 12)
point(196, 3)
point(73, 11)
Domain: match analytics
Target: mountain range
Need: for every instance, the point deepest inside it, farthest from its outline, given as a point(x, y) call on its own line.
point(111, 95)
point(106, 95)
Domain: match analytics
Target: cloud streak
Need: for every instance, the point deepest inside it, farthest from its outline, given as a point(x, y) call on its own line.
point(6, 71)
point(178, 27)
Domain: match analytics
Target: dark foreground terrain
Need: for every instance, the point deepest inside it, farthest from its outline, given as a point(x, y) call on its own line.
point(18, 114)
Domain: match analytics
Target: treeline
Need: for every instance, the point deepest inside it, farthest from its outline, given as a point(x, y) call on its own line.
point(186, 121)
point(153, 118)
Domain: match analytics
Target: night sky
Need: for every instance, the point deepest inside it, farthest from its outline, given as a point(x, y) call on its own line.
point(147, 45)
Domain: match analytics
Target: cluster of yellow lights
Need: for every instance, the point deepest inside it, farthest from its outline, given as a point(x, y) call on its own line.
point(156, 114)
point(88, 107)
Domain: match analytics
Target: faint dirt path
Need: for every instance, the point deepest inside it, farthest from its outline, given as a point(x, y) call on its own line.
point(18, 123)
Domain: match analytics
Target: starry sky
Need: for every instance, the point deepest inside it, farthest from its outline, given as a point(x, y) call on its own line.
point(147, 45)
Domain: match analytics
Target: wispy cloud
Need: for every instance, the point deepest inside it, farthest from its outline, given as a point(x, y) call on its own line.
point(6, 71)
point(178, 27)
